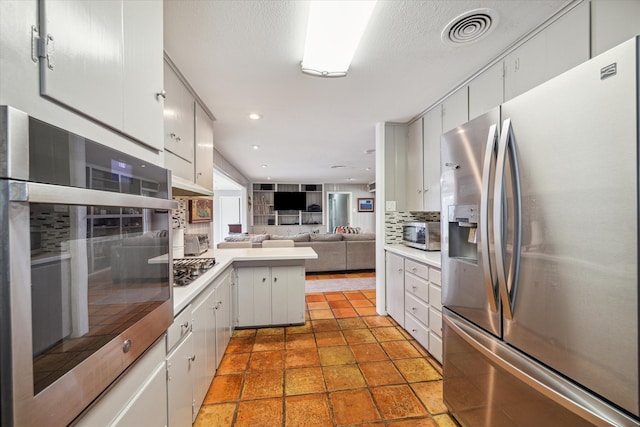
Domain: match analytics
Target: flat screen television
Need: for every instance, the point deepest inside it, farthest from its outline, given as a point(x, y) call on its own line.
point(289, 201)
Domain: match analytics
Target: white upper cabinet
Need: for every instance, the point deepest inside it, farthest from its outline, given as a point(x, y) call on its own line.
point(558, 48)
point(204, 149)
point(432, 130)
point(179, 121)
point(486, 91)
point(455, 109)
point(103, 60)
point(83, 67)
point(143, 71)
point(613, 22)
point(414, 167)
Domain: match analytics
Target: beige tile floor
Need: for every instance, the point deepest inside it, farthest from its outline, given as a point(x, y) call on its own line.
point(346, 366)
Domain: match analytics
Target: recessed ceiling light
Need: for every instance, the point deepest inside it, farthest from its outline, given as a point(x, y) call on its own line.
point(263, 166)
point(255, 116)
point(350, 179)
point(367, 169)
point(255, 147)
point(268, 178)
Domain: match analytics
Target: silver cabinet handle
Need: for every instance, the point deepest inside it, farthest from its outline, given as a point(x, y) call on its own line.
point(162, 94)
point(126, 346)
point(192, 358)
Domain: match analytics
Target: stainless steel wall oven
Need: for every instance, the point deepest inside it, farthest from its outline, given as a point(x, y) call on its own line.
point(85, 268)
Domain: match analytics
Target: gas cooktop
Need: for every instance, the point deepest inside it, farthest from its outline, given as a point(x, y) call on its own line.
point(186, 270)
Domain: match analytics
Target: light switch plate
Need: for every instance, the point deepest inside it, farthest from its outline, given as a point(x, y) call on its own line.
point(390, 205)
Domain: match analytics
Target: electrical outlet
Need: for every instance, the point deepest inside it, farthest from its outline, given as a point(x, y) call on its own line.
point(390, 205)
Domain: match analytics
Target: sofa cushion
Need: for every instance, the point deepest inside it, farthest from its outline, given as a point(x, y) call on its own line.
point(304, 237)
point(236, 238)
point(259, 238)
point(358, 237)
point(332, 256)
point(326, 237)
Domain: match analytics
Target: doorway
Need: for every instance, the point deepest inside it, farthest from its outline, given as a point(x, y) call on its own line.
point(339, 211)
point(229, 207)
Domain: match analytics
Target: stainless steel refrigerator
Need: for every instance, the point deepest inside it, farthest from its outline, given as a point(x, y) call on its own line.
point(540, 253)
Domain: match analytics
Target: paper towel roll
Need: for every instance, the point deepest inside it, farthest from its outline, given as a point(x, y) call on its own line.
point(178, 237)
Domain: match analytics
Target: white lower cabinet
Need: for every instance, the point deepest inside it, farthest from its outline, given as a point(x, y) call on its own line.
point(270, 295)
point(196, 342)
point(180, 383)
point(395, 286)
point(138, 398)
point(414, 296)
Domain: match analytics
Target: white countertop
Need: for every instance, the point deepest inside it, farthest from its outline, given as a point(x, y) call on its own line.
point(428, 257)
point(183, 295)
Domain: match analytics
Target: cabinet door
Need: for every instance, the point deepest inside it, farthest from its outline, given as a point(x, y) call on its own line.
point(179, 121)
point(224, 326)
point(203, 334)
point(395, 287)
point(254, 296)
point(147, 406)
point(486, 90)
point(431, 137)
point(414, 167)
point(143, 71)
point(455, 109)
point(204, 149)
point(287, 295)
point(85, 69)
point(180, 384)
point(559, 47)
point(613, 22)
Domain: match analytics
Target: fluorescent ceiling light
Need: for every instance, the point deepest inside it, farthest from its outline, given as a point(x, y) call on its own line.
point(333, 33)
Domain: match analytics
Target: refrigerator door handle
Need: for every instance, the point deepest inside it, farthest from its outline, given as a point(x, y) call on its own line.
point(507, 280)
point(487, 170)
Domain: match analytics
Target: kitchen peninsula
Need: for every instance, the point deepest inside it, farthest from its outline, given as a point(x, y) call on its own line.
point(246, 287)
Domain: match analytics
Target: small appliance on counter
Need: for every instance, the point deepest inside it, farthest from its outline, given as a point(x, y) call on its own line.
point(195, 244)
point(421, 235)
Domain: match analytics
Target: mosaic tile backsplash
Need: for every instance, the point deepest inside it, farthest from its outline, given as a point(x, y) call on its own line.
point(393, 223)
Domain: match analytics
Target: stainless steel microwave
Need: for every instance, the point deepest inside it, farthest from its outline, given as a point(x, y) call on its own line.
point(421, 235)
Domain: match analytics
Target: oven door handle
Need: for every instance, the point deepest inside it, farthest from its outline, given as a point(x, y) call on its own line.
point(33, 192)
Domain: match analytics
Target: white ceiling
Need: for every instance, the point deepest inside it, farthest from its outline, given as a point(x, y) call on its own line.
point(244, 56)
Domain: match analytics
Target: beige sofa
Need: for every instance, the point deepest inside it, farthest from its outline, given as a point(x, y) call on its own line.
point(336, 252)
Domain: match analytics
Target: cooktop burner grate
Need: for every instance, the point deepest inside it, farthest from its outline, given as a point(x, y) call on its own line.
point(186, 270)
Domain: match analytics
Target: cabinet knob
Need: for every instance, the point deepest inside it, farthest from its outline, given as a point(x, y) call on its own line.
point(414, 269)
point(161, 94)
point(413, 309)
point(414, 330)
point(126, 346)
point(192, 358)
point(275, 279)
point(178, 139)
point(399, 270)
point(264, 279)
point(185, 325)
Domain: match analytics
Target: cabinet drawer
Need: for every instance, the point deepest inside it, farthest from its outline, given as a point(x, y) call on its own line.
point(417, 308)
point(435, 346)
point(416, 286)
point(179, 328)
point(435, 276)
point(435, 296)
point(417, 330)
point(416, 268)
point(435, 321)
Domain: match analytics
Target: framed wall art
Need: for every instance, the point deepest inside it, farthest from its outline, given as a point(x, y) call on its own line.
point(200, 210)
point(365, 205)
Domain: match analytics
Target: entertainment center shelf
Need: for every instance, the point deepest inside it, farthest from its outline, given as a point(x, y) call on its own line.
point(306, 199)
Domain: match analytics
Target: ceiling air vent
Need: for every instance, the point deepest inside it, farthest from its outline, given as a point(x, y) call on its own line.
point(470, 27)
